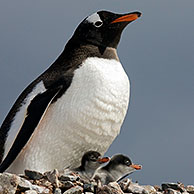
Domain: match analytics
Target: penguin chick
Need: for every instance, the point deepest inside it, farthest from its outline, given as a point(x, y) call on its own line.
point(119, 167)
point(90, 162)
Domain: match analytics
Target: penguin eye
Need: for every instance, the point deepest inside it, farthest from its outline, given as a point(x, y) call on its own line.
point(98, 24)
point(127, 162)
point(93, 158)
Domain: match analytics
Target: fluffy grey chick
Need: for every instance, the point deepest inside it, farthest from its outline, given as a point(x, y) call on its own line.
point(90, 162)
point(119, 167)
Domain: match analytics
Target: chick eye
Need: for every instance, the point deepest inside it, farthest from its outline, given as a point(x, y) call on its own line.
point(127, 162)
point(98, 24)
point(92, 158)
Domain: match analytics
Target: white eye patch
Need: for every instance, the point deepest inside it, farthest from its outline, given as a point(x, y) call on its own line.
point(94, 18)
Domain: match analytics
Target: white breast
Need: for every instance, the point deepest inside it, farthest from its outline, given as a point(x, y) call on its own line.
point(87, 117)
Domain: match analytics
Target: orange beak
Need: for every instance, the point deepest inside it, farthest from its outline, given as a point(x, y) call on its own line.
point(103, 160)
point(127, 18)
point(136, 166)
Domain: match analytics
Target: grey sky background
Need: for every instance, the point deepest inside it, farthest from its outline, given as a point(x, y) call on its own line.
point(157, 52)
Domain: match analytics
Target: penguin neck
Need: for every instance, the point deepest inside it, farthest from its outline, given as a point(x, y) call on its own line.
point(117, 172)
point(86, 171)
point(75, 53)
point(80, 51)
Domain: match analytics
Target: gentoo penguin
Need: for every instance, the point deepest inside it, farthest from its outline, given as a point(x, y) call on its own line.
point(118, 167)
point(90, 162)
point(78, 104)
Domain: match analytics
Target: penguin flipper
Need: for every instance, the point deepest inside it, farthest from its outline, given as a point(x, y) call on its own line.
point(35, 112)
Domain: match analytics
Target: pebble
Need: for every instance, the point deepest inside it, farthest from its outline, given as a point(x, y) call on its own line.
point(54, 182)
point(150, 189)
point(124, 184)
point(40, 189)
point(116, 186)
point(88, 188)
point(74, 190)
point(107, 189)
point(8, 183)
point(190, 189)
point(66, 184)
point(34, 175)
point(57, 191)
point(136, 188)
point(24, 184)
point(30, 192)
point(171, 191)
point(52, 176)
point(158, 192)
point(71, 178)
point(157, 187)
point(175, 186)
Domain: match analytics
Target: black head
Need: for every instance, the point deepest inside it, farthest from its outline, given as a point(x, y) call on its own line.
point(93, 159)
point(103, 28)
point(121, 166)
point(120, 159)
point(90, 156)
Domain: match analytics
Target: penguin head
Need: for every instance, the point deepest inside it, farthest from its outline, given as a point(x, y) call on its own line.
point(103, 28)
point(122, 165)
point(92, 160)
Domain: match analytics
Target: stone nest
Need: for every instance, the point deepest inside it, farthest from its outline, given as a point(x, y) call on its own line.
point(55, 182)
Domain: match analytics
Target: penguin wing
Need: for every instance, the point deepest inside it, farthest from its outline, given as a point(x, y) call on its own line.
point(35, 112)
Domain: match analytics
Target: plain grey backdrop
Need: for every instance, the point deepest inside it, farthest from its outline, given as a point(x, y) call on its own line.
point(157, 52)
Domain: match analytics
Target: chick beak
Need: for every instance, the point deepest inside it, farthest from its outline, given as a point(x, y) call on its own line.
point(103, 160)
point(136, 166)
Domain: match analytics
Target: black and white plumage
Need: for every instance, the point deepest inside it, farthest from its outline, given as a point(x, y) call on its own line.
point(118, 167)
point(90, 162)
point(78, 104)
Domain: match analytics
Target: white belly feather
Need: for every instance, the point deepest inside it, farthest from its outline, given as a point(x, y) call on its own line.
point(87, 117)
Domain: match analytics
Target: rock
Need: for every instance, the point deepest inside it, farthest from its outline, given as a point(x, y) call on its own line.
point(33, 174)
point(159, 192)
point(71, 178)
point(158, 188)
point(30, 192)
point(57, 191)
point(53, 177)
point(107, 189)
point(40, 189)
point(171, 191)
point(136, 188)
point(8, 183)
point(24, 185)
point(74, 190)
point(116, 186)
point(150, 189)
point(66, 185)
point(175, 186)
point(88, 187)
point(55, 183)
point(84, 180)
point(124, 184)
point(190, 189)
point(44, 182)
